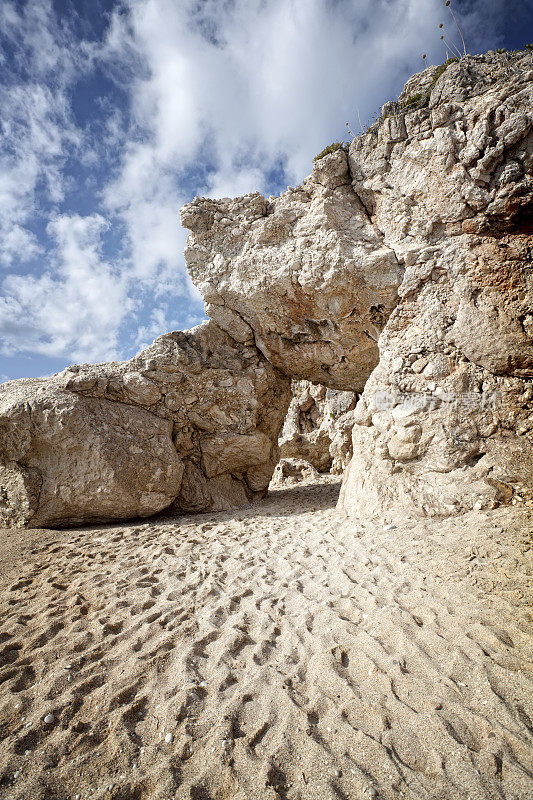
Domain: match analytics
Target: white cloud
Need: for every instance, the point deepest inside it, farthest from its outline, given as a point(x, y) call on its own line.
point(36, 136)
point(73, 310)
point(147, 198)
point(40, 44)
point(37, 132)
point(242, 83)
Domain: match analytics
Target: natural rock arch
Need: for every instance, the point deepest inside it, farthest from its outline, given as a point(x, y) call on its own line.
point(428, 226)
point(189, 424)
point(420, 237)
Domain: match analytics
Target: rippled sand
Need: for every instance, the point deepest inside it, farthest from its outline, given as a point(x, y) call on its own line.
point(276, 652)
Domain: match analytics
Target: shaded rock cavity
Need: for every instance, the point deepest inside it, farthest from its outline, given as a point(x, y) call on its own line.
point(318, 426)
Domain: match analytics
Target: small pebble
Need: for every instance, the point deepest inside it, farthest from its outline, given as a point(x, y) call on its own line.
point(49, 719)
point(16, 774)
point(338, 773)
point(168, 738)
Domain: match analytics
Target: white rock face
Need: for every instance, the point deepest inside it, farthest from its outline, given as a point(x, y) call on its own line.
point(190, 423)
point(304, 275)
point(439, 195)
point(316, 428)
point(68, 458)
point(445, 422)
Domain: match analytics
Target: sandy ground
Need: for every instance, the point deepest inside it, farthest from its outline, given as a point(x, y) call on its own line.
point(278, 652)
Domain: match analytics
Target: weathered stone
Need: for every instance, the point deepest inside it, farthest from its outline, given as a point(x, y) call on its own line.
point(84, 459)
point(421, 238)
point(341, 447)
point(445, 422)
point(306, 271)
point(190, 423)
point(317, 417)
point(235, 452)
point(293, 470)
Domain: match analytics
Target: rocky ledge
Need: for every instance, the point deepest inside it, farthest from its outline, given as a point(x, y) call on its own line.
point(402, 269)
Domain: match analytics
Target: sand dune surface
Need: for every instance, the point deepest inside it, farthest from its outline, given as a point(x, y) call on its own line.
point(280, 652)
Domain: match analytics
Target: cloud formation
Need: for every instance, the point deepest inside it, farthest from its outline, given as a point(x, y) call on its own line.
point(78, 305)
point(37, 132)
point(108, 128)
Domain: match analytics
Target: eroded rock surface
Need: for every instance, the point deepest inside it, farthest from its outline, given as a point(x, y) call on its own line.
point(438, 195)
point(304, 275)
point(190, 423)
point(445, 422)
point(422, 237)
point(317, 427)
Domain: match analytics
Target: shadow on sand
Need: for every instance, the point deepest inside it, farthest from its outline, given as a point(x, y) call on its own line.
point(282, 501)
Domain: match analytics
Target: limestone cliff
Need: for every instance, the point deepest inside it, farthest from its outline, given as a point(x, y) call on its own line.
point(446, 420)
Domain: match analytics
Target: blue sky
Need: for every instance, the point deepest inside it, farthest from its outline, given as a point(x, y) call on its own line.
point(114, 114)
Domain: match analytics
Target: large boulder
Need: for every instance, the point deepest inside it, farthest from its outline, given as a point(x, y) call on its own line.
point(70, 459)
point(445, 422)
point(191, 424)
point(306, 275)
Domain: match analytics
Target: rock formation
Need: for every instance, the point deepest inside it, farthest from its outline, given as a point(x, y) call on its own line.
point(293, 470)
point(421, 237)
point(305, 275)
point(445, 422)
point(189, 424)
point(318, 427)
point(437, 196)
